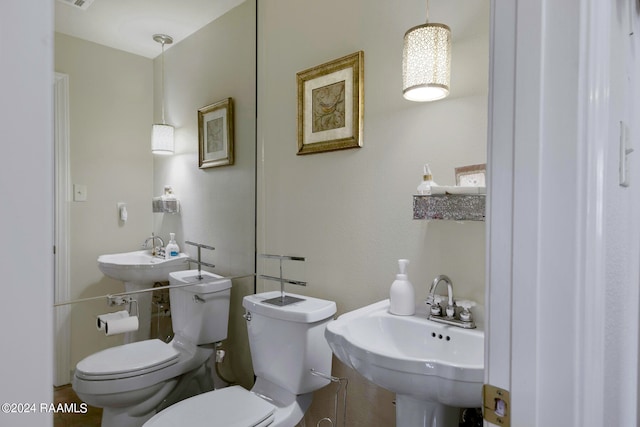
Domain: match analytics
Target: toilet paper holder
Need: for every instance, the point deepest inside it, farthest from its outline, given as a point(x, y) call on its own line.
point(122, 300)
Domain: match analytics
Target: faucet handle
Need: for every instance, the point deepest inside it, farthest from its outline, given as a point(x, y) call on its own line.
point(466, 304)
point(434, 301)
point(465, 314)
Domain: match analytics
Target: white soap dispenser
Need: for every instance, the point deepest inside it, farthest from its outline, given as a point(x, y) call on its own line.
point(402, 294)
point(172, 249)
point(424, 188)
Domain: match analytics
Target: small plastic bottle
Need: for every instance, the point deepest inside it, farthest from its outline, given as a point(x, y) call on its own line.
point(402, 294)
point(168, 193)
point(424, 188)
point(172, 249)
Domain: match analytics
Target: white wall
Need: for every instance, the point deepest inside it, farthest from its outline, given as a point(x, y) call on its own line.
point(349, 212)
point(111, 112)
point(621, 222)
point(332, 206)
point(217, 204)
point(26, 186)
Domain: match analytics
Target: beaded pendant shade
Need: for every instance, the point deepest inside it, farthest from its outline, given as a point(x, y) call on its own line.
point(426, 62)
point(162, 134)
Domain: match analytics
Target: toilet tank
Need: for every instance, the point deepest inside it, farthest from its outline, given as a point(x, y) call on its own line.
point(199, 312)
point(287, 342)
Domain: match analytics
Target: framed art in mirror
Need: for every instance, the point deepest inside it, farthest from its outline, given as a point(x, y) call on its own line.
point(215, 134)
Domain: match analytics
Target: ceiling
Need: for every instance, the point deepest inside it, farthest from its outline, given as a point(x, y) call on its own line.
point(129, 25)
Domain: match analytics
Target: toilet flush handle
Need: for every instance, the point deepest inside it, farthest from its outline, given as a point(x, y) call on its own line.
point(247, 316)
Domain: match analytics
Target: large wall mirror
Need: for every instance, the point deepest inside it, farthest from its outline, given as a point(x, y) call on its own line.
point(114, 96)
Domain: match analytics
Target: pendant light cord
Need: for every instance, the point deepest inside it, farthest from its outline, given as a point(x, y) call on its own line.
point(162, 82)
point(427, 11)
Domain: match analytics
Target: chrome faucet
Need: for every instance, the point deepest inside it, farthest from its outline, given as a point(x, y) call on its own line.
point(463, 320)
point(435, 305)
point(155, 250)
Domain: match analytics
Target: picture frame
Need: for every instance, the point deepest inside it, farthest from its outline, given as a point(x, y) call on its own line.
point(471, 176)
point(331, 105)
point(215, 134)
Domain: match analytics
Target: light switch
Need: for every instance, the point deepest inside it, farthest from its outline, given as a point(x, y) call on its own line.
point(79, 193)
point(625, 150)
point(122, 212)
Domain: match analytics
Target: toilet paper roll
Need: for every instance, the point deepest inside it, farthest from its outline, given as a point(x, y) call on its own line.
point(118, 326)
point(104, 318)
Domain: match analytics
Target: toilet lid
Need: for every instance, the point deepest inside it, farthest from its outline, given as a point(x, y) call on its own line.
point(127, 360)
point(226, 407)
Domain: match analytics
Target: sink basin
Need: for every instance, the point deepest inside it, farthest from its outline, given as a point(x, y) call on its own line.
point(433, 368)
point(140, 270)
point(140, 266)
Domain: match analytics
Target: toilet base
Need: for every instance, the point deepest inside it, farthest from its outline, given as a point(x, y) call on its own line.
point(134, 408)
point(116, 417)
point(191, 384)
point(137, 414)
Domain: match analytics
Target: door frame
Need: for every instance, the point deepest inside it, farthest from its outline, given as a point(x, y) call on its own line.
point(62, 285)
point(548, 134)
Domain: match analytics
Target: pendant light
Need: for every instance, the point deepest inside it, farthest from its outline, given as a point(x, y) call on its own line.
point(426, 62)
point(162, 134)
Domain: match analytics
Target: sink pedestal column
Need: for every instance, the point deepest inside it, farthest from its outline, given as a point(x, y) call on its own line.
point(144, 311)
point(412, 412)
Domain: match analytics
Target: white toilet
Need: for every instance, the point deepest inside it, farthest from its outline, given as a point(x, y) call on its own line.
point(132, 382)
point(286, 343)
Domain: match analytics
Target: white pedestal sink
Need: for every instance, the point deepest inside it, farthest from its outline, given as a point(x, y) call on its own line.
point(140, 270)
point(434, 369)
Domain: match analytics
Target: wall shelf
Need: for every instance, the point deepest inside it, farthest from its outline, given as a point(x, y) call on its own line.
point(165, 206)
point(456, 207)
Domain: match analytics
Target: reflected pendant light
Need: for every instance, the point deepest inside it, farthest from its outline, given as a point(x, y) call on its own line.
point(426, 62)
point(162, 134)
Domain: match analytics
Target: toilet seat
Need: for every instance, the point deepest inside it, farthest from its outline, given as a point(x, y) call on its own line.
point(127, 360)
point(228, 407)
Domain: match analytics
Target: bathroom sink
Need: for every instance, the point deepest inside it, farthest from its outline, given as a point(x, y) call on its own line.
point(433, 368)
point(140, 270)
point(140, 266)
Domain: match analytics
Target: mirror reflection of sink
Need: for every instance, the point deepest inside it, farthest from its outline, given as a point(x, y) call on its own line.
point(434, 369)
point(140, 270)
point(140, 266)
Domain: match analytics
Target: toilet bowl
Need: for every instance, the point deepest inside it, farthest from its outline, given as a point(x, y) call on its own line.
point(132, 382)
point(287, 343)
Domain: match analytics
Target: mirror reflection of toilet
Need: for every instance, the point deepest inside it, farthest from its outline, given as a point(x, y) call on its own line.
point(287, 343)
point(132, 382)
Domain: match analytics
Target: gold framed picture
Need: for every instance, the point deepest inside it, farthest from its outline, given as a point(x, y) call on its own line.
point(330, 105)
point(215, 134)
